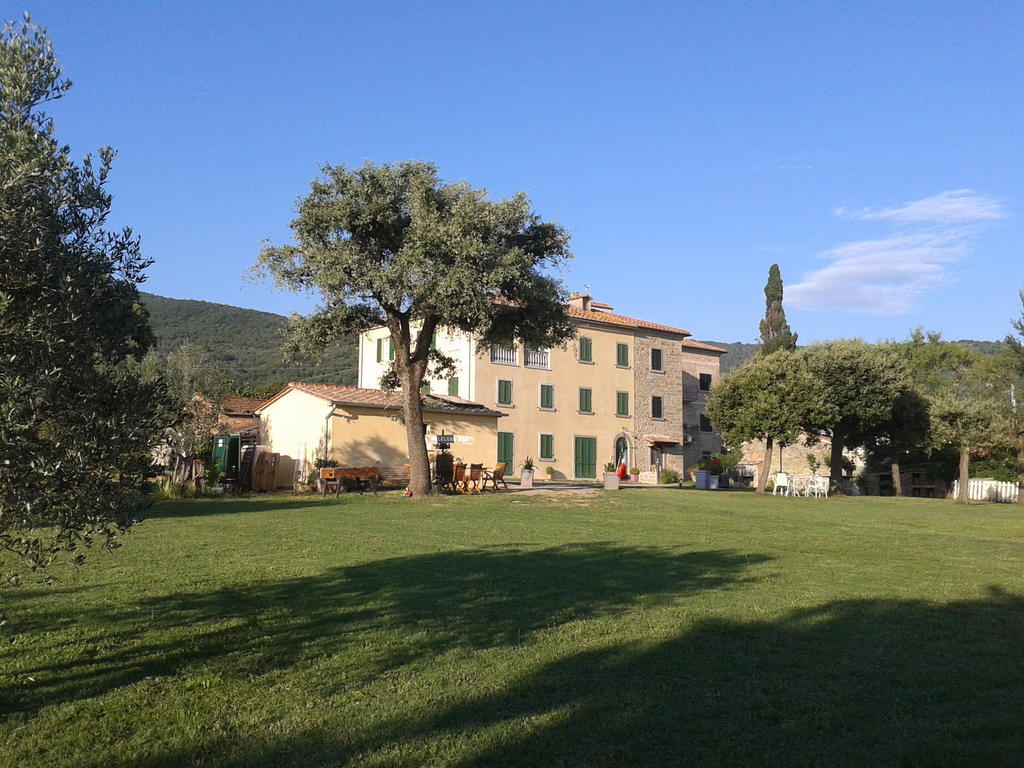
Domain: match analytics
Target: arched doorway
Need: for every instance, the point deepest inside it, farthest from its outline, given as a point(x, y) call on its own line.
point(621, 451)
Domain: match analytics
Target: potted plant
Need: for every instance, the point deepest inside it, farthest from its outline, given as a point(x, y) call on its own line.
point(611, 477)
point(634, 474)
point(526, 478)
point(550, 472)
point(703, 475)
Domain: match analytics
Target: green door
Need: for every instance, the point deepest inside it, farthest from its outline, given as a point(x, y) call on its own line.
point(586, 457)
point(505, 447)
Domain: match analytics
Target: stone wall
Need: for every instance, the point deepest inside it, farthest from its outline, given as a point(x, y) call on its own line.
point(792, 459)
point(695, 362)
point(665, 384)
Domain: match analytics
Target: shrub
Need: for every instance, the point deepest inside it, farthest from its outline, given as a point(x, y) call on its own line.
point(669, 477)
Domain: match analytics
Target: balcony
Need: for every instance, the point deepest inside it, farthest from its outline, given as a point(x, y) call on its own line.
point(537, 358)
point(504, 355)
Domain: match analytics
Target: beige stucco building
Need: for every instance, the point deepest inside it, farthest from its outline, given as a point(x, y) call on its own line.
point(362, 427)
point(614, 391)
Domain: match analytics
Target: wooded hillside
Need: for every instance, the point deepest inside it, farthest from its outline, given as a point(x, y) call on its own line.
point(246, 342)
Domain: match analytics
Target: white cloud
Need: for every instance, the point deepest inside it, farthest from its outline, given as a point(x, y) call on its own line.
point(884, 276)
point(877, 277)
point(957, 206)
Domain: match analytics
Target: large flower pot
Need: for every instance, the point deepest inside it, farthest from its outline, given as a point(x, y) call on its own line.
point(702, 476)
point(611, 481)
point(526, 479)
point(713, 483)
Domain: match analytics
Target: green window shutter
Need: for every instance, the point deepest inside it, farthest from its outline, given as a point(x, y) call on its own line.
point(380, 350)
point(547, 396)
point(433, 341)
point(586, 400)
point(391, 348)
point(425, 387)
point(586, 457)
point(586, 349)
point(506, 444)
point(453, 386)
point(622, 354)
point(547, 446)
point(622, 404)
point(504, 392)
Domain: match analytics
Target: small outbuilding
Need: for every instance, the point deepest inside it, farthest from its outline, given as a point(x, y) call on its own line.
point(359, 427)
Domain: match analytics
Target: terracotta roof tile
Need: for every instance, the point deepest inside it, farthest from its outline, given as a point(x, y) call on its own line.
point(382, 398)
point(241, 405)
point(701, 345)
point(611, 318)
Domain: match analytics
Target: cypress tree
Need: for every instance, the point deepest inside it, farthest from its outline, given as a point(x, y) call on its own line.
point(775, 332)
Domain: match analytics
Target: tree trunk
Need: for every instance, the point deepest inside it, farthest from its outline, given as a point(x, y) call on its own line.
point(836, 462)
point(897, 484)
point(766, 465)
point(419, 463)
point(963, 492)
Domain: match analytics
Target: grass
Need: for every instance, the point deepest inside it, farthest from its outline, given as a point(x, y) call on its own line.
point(657, 627)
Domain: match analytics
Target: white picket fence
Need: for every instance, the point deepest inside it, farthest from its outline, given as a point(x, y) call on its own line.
point(988, 490)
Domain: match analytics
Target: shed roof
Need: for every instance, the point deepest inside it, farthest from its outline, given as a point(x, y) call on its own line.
point(384, 399)
point(241, 406)
point(691, 344)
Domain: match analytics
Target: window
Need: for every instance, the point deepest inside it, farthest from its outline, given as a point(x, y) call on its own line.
point(537, 358)
point(380, 350)
point(655, 407)
point(586, 457)
point(504, 355)
point(586, 400)
point(622, 355)
point(586, 350)
point(547, 396)
point(656, 360)
point(705, 382)
point(622, 403)
point(391, 348)
point(453, 386)
point(504, 392)
point(705, 424)
point(547, 446)
point(506, 446)
point(425, 387)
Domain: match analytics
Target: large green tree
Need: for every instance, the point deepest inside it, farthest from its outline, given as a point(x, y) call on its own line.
point(76, 425)
point(860, 386)
point(775, 332)
point(768, 398)
point(1015, 361)
point(395, 245)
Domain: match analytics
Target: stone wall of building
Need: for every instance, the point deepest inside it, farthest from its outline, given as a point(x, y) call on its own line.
point(792, 459)
point(695, 362)
point(648, 383)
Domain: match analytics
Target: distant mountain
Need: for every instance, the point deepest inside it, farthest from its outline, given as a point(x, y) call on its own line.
point(740, 352)
point(246, 342)
point(737, 355)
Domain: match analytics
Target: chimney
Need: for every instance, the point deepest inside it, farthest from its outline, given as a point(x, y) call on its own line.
point(580, 301)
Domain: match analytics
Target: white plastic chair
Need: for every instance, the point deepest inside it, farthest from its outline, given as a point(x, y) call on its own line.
point(818, 486)
point(781, 484)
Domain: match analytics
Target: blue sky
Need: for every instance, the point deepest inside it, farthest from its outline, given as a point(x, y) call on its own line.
point(872, 149)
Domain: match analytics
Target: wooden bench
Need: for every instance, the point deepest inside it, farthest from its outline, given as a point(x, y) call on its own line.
point(398, 476)
point(370, 476)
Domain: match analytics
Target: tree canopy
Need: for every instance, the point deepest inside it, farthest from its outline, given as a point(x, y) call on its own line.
point(395, 245)
point(769, 398)
point(76, 426)
point(775, 332)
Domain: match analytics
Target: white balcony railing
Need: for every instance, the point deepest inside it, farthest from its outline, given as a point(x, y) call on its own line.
point(504, 355)
point(537, 358)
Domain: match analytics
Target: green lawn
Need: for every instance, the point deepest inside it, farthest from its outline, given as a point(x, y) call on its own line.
point(644, 628)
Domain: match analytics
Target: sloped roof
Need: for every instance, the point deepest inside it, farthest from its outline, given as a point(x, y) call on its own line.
point(611, 318)
point(656, 439)
point(382, 398)
point(241, 406)
point(705, 347)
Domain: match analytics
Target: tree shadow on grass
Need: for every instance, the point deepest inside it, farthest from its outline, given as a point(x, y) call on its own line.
point(400, 609)
point(231, 505)
point(849, 683)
